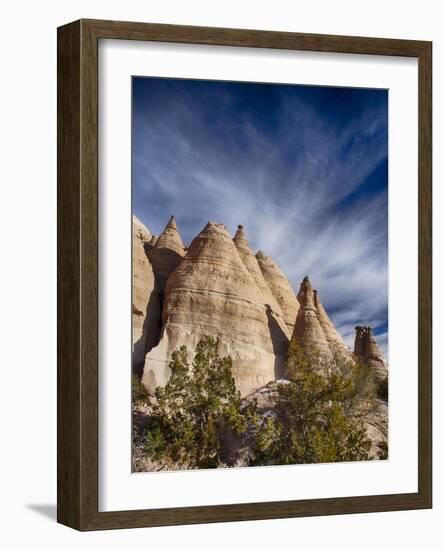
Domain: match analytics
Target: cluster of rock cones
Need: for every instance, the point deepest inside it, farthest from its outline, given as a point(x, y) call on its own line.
point(218, 287)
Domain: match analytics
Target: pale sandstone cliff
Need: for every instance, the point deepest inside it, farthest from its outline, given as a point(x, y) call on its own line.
point(252, 266)
point(220, 289)
point(265, 295)
point(280, 287)
point(212, 293)
point(146, 310)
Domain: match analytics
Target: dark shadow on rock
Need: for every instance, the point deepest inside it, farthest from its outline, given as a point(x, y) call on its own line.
point(48, 511)
point(279, 341)
point(152, 326)
point(148, 247)
point(164, 261)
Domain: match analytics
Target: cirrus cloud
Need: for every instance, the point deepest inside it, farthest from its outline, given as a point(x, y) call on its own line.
point(303, 168)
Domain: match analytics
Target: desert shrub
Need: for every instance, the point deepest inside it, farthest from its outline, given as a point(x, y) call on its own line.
point(318, 412)
point(382, 453)
point(194, 410)
point(316, 416)
point(139, 392)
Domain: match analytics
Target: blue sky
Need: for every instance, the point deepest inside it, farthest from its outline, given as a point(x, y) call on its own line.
point(303, 168)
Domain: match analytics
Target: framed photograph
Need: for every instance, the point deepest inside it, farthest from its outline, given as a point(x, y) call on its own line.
point(244, 275)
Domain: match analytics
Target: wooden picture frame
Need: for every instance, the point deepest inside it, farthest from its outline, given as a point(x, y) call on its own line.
point(77, 480)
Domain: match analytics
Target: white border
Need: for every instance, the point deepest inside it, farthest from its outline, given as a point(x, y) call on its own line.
point(118, 488)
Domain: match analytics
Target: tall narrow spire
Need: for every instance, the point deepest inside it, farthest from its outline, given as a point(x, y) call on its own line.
point(306, 295)
point(172, 224)
point(170, 238)
point(240, 237)
point(307, 330)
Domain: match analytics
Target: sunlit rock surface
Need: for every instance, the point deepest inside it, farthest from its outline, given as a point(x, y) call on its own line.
point(212, 293)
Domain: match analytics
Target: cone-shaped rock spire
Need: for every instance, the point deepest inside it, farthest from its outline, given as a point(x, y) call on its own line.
point(146, 311)
point(240, 237)
point(308, 331)
point(212, 293)
point(366, 351)
point(167, 253)
point(280, 288)
point(280, 331)
point(170, 238)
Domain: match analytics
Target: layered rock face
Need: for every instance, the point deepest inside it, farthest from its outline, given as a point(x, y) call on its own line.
point(166, 253)
point(376, 424)
point(308, 331)
point(333, 337)
point(366, 351)
point(280, 288)
point(265, 295)
point(219, 288)
point(212, 293)
point(146, 310)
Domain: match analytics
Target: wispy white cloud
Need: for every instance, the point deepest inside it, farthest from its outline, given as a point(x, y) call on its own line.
point(297, 190)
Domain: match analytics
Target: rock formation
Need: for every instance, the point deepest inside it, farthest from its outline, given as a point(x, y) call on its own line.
point(218, 288)
point(139, 231)
point(211, 292)
point(333, 337)
point(166, 254)
point(280, 288)
point(308, 331)
point(266, 297)
point(367, 352)
point(376, 424)
point(146, 310)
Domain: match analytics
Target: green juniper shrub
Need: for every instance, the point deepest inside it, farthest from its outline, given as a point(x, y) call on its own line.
point(382, 450)
point(139, 392)
point(194, 410)
point(318, 413)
